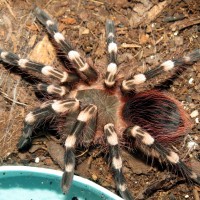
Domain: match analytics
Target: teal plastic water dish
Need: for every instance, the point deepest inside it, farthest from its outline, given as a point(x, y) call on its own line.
point(32, 183)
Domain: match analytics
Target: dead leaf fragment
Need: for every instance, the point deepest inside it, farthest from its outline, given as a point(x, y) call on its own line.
point(43, 52)
point(68, 20)
point(32, 27)
point(144, 38)
point(125, 45)
point(84, 31)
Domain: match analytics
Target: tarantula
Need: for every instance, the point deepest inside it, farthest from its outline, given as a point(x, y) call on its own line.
point(95, 112)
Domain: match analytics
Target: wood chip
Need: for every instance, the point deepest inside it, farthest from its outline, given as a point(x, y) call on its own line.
point(56, 152)
point(68, 20)
point(196, 194)
point(43, 52)
point(84, 31)
point(125, 45)
point(185, 23)
point(143, 38)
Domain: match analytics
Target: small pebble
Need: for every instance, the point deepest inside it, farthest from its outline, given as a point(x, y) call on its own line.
point(196, 137)
point(176, 33)
point(84, 31)
point(186, 196)
point(197, 120)
point(178, 41)
point(192, 145)
point(194, 113)
point(191, 80)
point(172, 197)
point(94, 177)
point(37, 160)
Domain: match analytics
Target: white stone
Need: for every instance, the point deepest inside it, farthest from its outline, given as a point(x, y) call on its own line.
point(194, 114)
point(192, 145)
point(187, 196)
point(37, 160)
point(191, 80)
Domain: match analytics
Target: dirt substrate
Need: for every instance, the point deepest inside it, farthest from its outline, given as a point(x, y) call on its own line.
point(148, 33)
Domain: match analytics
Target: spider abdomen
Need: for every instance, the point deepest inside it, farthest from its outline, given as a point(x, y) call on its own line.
point(158, 113)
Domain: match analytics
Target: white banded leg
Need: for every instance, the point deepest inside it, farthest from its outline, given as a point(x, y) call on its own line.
point(46, 110)
point(129, 85)
point(83, 118)
point(114, 153)
point(147, 144)
point(46, 70)
point(112, 54)
point(53, 89)
point(82, 67)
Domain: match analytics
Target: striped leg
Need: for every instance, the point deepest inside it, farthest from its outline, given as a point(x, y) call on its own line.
point(29, 65)
point(53, 89)
point(82, 67)
point(129, 85)
point(147, 144)
point(114, 150)
point(83, 118)
point(46, 110)
point(112, 54)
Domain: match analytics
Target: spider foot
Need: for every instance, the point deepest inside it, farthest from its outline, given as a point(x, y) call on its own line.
point(112, 140)
point(69, 170)
point(24, 143)
point(148, 144)
point(83, 118)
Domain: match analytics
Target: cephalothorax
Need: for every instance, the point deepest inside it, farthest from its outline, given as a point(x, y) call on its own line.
point(102, 113)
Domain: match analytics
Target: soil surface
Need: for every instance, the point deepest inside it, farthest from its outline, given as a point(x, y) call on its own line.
point(148, 33)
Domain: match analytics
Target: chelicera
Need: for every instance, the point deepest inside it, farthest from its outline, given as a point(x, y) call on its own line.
point(97, 112)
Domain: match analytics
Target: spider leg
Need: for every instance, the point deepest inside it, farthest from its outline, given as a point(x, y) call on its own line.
point(89, 132)
point(82, 67)
point(129, 84)
point(114, 151)
point(53, 89)
point(46, 110)
point(46, 70)
point(112, 55)
point(147, 143)
point(83, 118)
